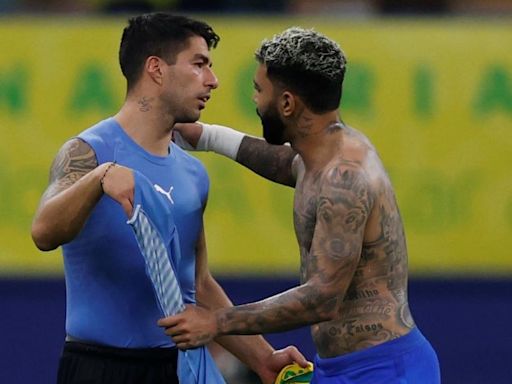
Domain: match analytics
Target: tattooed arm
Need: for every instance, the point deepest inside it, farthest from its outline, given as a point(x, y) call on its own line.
point(73, 191)
point(343, 206)
point(277, 163)
point(254, 351)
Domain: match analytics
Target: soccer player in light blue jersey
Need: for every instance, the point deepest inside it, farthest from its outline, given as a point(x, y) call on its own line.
point(111, 320)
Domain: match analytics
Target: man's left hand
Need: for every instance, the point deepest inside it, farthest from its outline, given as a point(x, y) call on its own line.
point(279, 359)
point(193, 327)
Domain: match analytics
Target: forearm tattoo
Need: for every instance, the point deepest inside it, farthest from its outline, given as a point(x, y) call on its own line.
point(274, 162)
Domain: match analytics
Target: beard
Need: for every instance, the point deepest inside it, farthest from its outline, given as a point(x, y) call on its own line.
point(186, 116)
point(273, 126)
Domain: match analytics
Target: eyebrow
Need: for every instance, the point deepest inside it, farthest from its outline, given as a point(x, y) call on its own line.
point(200, 56)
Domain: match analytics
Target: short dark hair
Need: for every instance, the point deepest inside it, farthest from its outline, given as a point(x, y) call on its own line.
point(308, 63)
point(160, 34)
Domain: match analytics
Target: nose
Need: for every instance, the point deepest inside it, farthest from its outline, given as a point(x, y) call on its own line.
point(211, 79)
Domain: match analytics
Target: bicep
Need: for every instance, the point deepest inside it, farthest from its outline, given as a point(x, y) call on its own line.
point(75, 159)
point(342, 211)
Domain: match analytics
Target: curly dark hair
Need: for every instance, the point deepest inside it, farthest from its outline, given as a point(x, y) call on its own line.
point(160, 34)
point(308, 63)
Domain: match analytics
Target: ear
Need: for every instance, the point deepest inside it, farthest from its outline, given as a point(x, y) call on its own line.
point(287, 103)
point(153, 68)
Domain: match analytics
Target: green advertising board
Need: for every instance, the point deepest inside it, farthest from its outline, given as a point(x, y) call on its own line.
point(435, 97)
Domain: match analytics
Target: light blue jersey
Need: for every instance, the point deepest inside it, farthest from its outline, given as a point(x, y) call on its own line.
point(156, 233)
point(109, 297)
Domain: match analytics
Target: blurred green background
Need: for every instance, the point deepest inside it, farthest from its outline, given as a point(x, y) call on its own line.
point(434, 96)
point(433, 93)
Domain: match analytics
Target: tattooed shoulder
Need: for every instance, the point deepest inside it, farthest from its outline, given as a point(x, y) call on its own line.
point(348, 181)
point(75, 159)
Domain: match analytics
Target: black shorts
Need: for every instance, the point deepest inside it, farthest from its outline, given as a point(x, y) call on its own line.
point(93, 364)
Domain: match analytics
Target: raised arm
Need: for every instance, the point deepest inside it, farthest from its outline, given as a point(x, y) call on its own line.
point(342, 209)
point(276, 163)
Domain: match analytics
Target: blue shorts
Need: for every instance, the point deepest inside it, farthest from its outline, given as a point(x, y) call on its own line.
point(408, 359)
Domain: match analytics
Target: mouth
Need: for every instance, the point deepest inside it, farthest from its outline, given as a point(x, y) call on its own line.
point(203, 100)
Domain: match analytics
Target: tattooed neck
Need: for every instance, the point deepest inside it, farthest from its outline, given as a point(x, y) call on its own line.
point(145, 103)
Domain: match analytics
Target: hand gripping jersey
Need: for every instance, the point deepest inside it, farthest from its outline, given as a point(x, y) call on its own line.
point(110, 300)
point(158, 240)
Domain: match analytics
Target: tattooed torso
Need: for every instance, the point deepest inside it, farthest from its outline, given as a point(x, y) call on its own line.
point(374, 307)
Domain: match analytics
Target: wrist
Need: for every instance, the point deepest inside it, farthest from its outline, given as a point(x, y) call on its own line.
point(220, 322)
point(220, 139)
point(261, 359)
point(104, 172)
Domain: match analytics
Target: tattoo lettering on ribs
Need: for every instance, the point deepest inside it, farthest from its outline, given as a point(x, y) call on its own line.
point(353, 328)
point(374, 308)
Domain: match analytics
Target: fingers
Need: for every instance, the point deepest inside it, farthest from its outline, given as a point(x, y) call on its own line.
point(168, 322)
point(294, 355)
point(173, 327)
point(190, 328)
point(183, 342)
point(181, 338)
point(298, 357)
point(171, 321)
point(127, 207)
point(174, 330)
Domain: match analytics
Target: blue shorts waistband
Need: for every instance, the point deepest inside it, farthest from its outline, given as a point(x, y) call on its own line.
point(384, 351)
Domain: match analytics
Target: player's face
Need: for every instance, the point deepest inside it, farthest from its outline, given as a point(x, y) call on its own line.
point(190, 81)
point(274, 129)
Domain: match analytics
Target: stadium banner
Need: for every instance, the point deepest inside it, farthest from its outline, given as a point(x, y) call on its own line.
point(435, 97)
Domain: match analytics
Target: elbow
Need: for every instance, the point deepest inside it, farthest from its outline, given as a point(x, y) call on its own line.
point(333, 301)
point(325, 303)
point(329, 309)
point(329, 302)
point(42, 238)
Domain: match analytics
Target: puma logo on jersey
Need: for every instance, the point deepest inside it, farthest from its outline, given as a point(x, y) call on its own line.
point(164, 192)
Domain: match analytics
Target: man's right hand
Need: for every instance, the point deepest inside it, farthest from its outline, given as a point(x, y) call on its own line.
point(118, 183)
point(187, 135)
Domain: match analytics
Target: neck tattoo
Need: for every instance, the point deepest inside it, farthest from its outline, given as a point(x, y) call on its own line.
point(145, 104)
